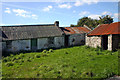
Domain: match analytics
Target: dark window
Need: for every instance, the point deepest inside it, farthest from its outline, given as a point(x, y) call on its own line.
point(8, 44)
point(51, 40)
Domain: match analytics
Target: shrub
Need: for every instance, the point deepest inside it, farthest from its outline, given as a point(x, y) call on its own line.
point(44, 51)
point(50, 50)
point(14, 58)
point(66, 53)
point(44, 54)
point(37, 55)
point(9, 64)
point(4, 60)
point(21, 55)
point(29, 60)
point(16, 61)
point(11, 55)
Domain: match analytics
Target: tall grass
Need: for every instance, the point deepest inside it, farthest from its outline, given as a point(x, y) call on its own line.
point(74, 62)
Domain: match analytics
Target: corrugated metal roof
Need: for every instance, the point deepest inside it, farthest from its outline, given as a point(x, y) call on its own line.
point(30, 31)
point(74, 30)
point(106, 29)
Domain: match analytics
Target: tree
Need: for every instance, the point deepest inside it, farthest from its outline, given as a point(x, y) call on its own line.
point(105, 19)
point(92, 23)
point(88, 22)
point(72, 25)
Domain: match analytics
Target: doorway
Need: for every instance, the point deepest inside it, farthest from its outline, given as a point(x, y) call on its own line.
point(66, 40)
point(105, 42)
point(33, 44)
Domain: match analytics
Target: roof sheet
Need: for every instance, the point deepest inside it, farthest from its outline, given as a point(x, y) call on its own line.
point(74, 30)
point(29, 31)
point(106, 29)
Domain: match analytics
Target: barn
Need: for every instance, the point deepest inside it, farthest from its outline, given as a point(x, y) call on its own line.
point(31, 37)
point(106, 36)
point(75, 36)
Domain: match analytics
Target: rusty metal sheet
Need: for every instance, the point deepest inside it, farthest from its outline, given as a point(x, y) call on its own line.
point(106, 29)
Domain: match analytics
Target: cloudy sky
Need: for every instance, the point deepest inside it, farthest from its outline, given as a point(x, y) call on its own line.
point(48, 12)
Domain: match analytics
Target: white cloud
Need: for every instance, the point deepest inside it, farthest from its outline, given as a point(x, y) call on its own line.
point(7, 10)
point(90, 1)
point(84, 13)
point(21, 12)
point(24, 13)
point(78, 3)
point(47, 8)
point(94, 16)
point(106, 13)
point(68, 6)
point(81, 2)
point(116, 15)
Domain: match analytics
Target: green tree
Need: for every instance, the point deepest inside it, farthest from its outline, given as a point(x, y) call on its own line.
point(92, 23)
point(105, 19)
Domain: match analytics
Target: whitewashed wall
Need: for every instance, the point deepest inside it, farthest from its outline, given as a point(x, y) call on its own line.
point(93, 41)
point(42, 43)
point(110, 42)
point(21, 45)
point(17, 45)
point(3, 45)
point(78, 39)
point(59, 42)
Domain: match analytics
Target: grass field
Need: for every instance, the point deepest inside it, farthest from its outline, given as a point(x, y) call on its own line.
point(74, 62)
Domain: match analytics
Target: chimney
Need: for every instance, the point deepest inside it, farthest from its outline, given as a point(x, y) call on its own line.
point(56, 23)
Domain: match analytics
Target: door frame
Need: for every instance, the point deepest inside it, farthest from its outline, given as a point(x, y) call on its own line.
point(34, 45)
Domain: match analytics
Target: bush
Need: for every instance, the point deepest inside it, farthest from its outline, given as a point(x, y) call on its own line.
point(37, 55)
point(4, 60)
point(50, 50)
point(11, 55)
point(66, 53)
point(9, 64)
point(44, 51)
point(44, 54)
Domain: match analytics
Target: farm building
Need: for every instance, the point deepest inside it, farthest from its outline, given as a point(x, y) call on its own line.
point(106, 36)
point(75, 36)
point(31, 37)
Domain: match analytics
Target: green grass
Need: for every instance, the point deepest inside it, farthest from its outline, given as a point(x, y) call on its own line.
point(74, 62)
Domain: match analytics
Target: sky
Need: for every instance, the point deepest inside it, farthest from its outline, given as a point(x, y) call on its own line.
point(21, 13)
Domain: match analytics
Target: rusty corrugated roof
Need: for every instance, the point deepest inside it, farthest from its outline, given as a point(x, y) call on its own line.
point(74, 30)
point(106, 29)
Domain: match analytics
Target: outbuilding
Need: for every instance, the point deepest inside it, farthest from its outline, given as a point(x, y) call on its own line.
point(106, 36)
point(75, 36)
point(31, 37)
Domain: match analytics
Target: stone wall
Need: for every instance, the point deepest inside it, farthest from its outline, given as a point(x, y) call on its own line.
point(76, 39)
point(110, 42)
point(93, 41)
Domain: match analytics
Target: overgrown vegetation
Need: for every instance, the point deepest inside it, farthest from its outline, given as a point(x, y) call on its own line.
point(74, 62)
